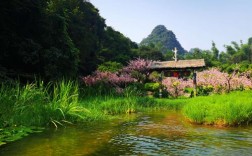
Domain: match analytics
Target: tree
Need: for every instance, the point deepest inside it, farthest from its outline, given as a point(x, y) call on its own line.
point(20, 30)
point(250, 41)
point(169, 55)
point(110, 66)
point(150, 52)
point(50, 38)
point(116, 47)
point(215, 51)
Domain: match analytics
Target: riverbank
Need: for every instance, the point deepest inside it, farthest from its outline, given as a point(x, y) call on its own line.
point(59, 104)
point(62, 103)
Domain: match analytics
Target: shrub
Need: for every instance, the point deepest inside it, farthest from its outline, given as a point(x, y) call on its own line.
point(151, 86)
point(204, 90)
point(175, 87)
point(110, 67)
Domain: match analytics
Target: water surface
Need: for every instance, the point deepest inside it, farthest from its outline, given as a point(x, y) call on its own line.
point(159, 133)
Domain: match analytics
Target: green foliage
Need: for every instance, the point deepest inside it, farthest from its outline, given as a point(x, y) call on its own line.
point(204, 90)
point(133, 90)
point(197, 53)
point(97, 90)
point(154, 76)
point(119, 106)
point(169, 55)
point(226, 110)
point(115, 105)
point(40, 44)
point(57, 39)
point(164, 39)
point(39, 104)
point(116, 47)
point(164, 93)
point(150, 52)
point(152, 86)
point(215, 51)
point(250, 41)
point(110, 66)
point(236, 57)
point(15, 133)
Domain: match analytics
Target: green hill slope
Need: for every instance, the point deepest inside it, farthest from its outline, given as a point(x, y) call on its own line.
point(164, 39)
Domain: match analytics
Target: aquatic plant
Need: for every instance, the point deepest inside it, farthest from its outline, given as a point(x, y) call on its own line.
point(15, 133)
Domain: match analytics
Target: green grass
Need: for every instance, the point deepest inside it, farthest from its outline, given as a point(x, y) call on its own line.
point(232, 109)
point(108, 106)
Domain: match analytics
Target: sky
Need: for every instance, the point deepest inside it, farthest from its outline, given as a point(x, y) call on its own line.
point(196, 23)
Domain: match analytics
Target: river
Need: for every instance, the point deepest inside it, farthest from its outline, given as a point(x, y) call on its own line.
point(156, 133)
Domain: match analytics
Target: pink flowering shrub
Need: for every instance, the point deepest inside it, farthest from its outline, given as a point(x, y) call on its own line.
point(176, 87)
point(140, 65)
point(241, 82)
point(248, 75)
point(223, 82)
point(212, 78)
point(138, 69)
point(109, 78)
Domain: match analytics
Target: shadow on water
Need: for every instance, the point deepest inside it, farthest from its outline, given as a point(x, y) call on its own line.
point(159, 133)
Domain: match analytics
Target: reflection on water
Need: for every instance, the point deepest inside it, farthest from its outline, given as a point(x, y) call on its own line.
point(160, 133)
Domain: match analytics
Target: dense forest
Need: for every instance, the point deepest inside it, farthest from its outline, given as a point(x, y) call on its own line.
point(67, 38)
point(55, 38)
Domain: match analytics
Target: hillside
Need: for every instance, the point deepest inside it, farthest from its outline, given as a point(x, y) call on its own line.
point(163, 38)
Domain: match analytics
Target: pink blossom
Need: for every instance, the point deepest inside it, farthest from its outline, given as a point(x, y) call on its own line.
point(175, 86)
point(139, 69)
point(108, 78)
point(212, 77)
point(140, 65)
point(223, 82)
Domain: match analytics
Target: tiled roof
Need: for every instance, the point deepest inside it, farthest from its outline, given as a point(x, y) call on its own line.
point(180, 64)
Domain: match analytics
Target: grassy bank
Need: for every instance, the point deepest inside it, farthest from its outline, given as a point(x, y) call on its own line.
point(232, 109)
point(59, 104)
point(120, 105)
point(44, 105)
point(24, 107)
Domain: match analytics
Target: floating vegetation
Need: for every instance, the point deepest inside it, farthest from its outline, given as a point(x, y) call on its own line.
point(15, 133)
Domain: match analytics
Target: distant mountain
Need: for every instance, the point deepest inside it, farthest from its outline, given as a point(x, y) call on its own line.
point(164, 39)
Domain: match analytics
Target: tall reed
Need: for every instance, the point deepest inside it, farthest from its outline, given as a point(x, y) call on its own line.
point(39, 104)
point(22, 104)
